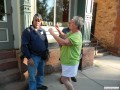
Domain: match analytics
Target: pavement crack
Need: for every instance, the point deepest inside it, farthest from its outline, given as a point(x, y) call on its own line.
point(91, 79)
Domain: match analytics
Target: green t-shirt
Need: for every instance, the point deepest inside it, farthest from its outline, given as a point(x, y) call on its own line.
point(70, 55)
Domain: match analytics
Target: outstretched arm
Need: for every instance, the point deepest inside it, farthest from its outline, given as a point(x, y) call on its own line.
point(58, 39)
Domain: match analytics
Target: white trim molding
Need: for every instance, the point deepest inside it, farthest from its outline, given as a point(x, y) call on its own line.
point(7, 36)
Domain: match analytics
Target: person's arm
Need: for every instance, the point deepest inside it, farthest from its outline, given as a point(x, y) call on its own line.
point(24, 44)
point(25, 48)
point(58, 39)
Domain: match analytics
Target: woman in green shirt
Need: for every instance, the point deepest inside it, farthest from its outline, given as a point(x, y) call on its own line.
point(70, 50)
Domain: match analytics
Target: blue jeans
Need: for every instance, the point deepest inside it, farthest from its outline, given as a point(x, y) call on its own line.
point(36, 80)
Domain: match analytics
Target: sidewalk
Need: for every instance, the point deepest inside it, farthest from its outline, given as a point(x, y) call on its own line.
point(104, 73)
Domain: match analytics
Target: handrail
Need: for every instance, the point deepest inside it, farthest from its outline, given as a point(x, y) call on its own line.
point(98, 41)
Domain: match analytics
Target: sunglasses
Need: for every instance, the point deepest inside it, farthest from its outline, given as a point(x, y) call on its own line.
point(38, 20)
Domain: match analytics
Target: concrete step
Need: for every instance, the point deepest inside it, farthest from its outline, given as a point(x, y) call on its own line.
point(8, 64)
point(99, 47)
point(101, 54)
point(101, 50)
point(17, 85)
point(4, 54)
point(9, 76)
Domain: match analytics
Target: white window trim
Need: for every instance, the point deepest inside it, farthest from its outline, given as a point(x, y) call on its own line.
point(6, 34)
point(69, 10)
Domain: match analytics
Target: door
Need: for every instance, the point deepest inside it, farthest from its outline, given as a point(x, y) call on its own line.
point(6, 30)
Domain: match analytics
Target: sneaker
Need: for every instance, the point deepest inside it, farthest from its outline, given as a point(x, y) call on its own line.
point(73, 79)
point(42, 88)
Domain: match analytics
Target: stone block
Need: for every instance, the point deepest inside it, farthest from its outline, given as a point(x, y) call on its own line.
point(87, 57)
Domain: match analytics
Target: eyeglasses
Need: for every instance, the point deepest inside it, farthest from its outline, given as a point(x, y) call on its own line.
point(38, 20)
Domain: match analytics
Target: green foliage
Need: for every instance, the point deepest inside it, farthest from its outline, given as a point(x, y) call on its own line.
point(42, 8)
point(48, 13)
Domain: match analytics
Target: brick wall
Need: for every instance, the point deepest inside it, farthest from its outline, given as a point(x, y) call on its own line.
point(53, 64)
point(107, 27)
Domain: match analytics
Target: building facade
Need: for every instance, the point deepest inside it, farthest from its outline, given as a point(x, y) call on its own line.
point(13, 19)
point(17, 15)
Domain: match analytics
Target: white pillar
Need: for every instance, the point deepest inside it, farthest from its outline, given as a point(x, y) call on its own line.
point(54, 12)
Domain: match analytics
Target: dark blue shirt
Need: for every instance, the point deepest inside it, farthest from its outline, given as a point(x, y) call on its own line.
point(66, 30)
point(33, 42)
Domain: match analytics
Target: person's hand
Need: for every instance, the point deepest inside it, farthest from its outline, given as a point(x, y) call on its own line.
point(30, 62)
point(57, 26)
point(51, 31)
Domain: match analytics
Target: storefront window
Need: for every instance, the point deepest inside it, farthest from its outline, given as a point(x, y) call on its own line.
point(53, 11)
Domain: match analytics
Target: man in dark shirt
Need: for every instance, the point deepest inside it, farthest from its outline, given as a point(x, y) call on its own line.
point(34, 44)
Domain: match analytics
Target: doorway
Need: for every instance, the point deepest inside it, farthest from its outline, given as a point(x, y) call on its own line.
point(6, 29)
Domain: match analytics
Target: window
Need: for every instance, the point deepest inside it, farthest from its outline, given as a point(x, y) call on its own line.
point(53, 11)
point(2, 10)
